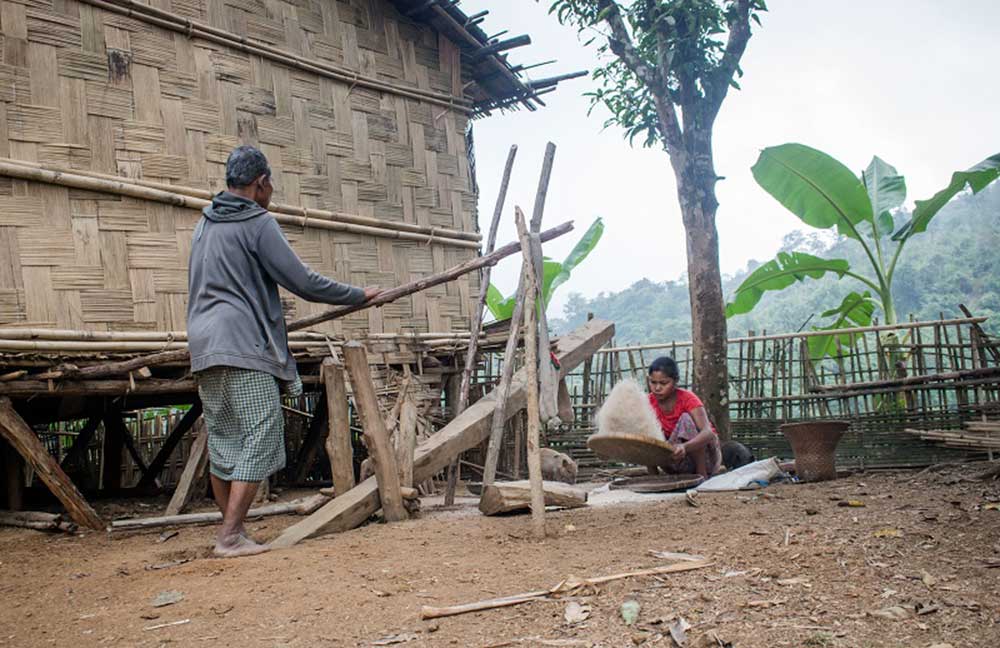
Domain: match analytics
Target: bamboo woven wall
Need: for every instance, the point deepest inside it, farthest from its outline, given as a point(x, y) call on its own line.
point(89, 89)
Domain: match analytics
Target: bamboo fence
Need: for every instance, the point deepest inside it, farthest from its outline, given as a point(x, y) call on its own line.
point(883, 379)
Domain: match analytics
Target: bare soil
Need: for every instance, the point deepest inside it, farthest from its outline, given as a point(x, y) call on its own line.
point(791, 567)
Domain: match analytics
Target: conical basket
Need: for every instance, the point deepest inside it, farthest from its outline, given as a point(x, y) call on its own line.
point(814, 444)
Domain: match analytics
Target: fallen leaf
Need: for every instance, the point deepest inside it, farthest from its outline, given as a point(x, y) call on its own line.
point(395, 639)
point(888, 532)
point(630, 611)
point(992, 506)
point(690, 497)
point(167, 597)
point(678, 631)
point(894, 613)
point(926, 608)
point(927, 579)
point(166, 535)
point(575, 613)
point(851, 503)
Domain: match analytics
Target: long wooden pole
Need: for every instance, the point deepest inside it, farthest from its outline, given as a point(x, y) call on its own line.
point(487, 260)
point(503, 389)
point(531, 365)
point(339, 450)
point(477, 321)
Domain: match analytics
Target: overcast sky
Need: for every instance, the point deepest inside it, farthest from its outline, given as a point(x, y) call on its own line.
point(913, 81)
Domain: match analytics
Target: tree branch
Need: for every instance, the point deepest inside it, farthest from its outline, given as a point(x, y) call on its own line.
point(621, 44)
point(717, 84)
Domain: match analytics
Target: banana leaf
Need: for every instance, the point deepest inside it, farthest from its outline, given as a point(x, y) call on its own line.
point(818, 189)
point(778, 274)
point(886, 191)
point(855, 310)
point(976, 178)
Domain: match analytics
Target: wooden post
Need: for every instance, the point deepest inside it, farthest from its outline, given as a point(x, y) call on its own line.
point(196, 466)
point(452, 397)
point(23, 439)
point(315, 438)
point(339, 449)
point(531, 364)
point(386, 473)
point(112, 449)
point(13, 484)
point(406, 441)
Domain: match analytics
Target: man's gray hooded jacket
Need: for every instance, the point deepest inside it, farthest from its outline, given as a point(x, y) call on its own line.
point(239, 257)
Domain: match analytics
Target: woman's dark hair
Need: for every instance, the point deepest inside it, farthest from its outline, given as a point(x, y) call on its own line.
point(667, 366)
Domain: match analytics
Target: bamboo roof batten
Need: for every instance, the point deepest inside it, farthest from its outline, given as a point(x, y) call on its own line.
point(285, 214)
point(195, 29)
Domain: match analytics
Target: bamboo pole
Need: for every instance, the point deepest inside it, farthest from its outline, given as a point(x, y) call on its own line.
point(318, 218)
point(531, 366)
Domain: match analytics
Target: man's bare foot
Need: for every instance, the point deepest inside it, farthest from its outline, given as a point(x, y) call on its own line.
point(238, 545)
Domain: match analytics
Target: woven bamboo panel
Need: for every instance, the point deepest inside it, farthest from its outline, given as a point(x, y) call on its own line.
point(96, 91)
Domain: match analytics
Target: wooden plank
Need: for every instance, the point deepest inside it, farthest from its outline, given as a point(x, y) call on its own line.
point(406, 441)
point(505, 497)
point(377, 437)
point(22, 437)
point(13, 483)
point(467, 430)
point(196, 466)
point(338, 440)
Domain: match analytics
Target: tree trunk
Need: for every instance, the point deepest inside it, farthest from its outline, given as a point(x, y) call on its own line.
point(695, 173)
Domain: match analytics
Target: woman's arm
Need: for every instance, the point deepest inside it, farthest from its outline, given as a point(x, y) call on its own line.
point(705, 432)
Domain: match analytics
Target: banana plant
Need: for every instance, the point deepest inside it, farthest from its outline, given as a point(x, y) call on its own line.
point(554, 274)
point(823, 193)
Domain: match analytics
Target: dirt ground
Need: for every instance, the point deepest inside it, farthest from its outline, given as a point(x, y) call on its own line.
point(917, 565)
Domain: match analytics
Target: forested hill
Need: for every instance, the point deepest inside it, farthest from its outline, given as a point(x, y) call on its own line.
point(956, 261)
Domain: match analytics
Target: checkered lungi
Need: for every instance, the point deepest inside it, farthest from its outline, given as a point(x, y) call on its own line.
point(246, 427)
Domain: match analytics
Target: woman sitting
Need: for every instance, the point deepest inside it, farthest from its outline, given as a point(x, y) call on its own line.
point(684, 422)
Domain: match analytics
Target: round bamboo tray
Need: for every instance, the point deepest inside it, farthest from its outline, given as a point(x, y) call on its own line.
point(632, 448)
point(657, 483)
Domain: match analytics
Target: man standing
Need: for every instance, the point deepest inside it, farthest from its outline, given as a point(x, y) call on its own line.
point(236, 333)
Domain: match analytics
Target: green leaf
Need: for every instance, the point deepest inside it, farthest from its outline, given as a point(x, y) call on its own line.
point(501, 308)
point(818, 189)
point(886, 190)
point(855, 310)
point(550, 270)
point(778, 274)
point(976, 178)
point(583, 247)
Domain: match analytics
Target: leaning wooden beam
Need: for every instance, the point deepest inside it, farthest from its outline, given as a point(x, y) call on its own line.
point(565, 588)
point(197, 464)
point(20, 435)
point(531, 365)
point(383, 457)
point(505, 497)
point(468, 430)
point(303, 506)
